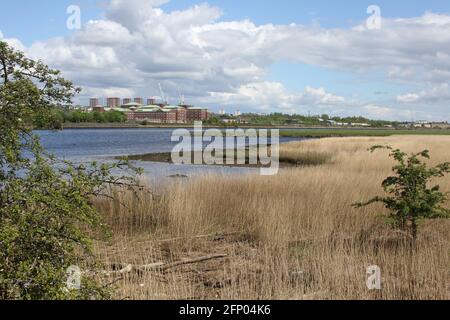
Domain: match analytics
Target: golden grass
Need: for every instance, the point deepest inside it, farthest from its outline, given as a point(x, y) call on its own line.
point(290, 236)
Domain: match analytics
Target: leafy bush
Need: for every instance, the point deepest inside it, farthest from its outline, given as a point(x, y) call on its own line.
point(411, 199)
point(46, 216)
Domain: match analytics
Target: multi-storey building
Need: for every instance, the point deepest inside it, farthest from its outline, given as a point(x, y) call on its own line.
point(168, 114)
point(162, 113)
point(98, 108)
point(93, 102)
point(197, 114)
point(156, 114)
point(113, 102)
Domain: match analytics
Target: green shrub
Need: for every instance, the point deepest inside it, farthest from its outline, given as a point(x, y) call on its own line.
point(411, 199)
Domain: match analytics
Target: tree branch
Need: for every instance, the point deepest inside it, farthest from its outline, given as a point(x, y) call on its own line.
point(5, 71)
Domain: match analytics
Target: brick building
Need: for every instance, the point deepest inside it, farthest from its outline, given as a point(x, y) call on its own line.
point(93, 102)
point(113, 102)
point(98, 108)
point(168, 114)
point(196, 114)
point(154, 116)
point(155, 113)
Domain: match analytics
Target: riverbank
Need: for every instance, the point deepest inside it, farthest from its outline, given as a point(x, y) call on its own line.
point(168, 126)
point(286, 131)
point(295, 235)
point(358, 132)
point(286, 160)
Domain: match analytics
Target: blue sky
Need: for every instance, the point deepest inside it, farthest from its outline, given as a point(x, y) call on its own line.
point(32, 22)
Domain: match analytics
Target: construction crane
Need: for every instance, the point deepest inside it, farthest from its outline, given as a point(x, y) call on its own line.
point(163, 97)
point(181, 97)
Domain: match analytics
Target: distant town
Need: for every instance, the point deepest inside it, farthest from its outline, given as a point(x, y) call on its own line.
point(159, 111)
point(151, 112)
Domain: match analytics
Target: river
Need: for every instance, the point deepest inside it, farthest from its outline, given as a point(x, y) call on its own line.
point(102, 145)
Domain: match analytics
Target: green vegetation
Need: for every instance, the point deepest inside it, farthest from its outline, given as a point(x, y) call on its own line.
point(309, 158)
point(47, 220)
point(96, 117)
point(334, 132)
point(58, 116)
point(280, 119)
point(218, 122)
point(213, 121)
point(411, 199)
point(287, 159)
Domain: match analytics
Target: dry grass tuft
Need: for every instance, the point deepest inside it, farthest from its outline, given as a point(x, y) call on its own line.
point(291, 236)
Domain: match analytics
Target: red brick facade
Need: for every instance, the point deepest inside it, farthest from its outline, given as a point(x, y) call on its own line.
point(180, 115)
point(196, 115)
point(113, 102)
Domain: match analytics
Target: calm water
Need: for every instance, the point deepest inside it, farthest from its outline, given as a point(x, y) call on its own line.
point(86, 145)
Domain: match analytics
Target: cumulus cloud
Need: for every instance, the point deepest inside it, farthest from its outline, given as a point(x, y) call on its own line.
point(15, 43)
point(320, 96)
point(436, 93)
point(269, 96)
point(378, 112)
point(409, 97)
point(138, 45)
point(103, 33)
point(132, 13)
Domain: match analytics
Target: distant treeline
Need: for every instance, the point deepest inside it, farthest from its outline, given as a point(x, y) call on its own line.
point(286, 119)
point(61, 116)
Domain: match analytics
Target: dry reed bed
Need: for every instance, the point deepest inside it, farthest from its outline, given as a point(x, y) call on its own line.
point(290, 236)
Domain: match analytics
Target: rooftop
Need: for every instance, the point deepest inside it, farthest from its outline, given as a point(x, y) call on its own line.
point(132, 104)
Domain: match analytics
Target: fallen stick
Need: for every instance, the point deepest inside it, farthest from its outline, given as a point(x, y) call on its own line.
point(165, 266)
point(161, 266)
point(113, 282)
point(213, 235)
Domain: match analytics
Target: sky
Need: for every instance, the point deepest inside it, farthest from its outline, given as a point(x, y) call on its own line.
point(336, 57)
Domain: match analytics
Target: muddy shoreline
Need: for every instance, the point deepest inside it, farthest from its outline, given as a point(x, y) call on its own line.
point(166, 157)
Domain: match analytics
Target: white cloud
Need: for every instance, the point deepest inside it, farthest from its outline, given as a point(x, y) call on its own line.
point(132, 13)
point(378, 112)
point(109, 92)
point(15, 43)
point(103, 33)
point(137, 45)
point(409, 97)
point(411, 49)
point(320, 96)
point(273, 96)
point(433, 94)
